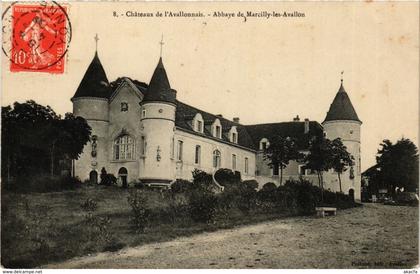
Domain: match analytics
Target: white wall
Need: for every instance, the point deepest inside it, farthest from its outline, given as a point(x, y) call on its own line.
point(190, 141)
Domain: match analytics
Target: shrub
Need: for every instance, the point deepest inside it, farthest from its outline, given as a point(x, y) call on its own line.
point(251, 183)
point(177, 205)
point(202, 180)
point(89, 205)
point(108, 179)
point(247, 198)
point(227, 177)
point(202, 206)
point(141, 212)
point(268, 192)
point(180, 186)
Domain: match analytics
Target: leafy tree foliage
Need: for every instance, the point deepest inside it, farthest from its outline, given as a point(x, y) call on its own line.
point(397, 165)
point(341, 158)
point(280, 152)
point(320, 157)
point(34, 138)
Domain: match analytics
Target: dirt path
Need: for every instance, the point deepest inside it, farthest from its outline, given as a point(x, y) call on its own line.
point(373, 236)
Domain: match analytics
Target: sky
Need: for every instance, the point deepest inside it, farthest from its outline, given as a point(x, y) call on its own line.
point(262, 70)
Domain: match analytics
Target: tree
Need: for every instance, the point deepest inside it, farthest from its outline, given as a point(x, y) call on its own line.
point(341, 158)
point(398, 165)
point(34, 138)
point(320, 158)
point(280, 152)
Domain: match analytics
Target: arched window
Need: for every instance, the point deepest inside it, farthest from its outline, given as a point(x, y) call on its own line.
point(124, 148)
point(216, 158)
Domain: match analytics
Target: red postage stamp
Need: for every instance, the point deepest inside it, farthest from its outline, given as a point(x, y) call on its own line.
point(39, 37)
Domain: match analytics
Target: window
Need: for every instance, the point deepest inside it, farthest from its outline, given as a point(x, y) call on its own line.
point(172, 147)
point(233, 135)
point(302, 170)
point(246, 170)
point(218, 132)
point(216, 129)
point(124, 106)
point(143, 113)
point(179, 150)
point(198, 123)
point(264, 144)
point(199, 126)
point(143, 145)
point(123, 148)
point(197, 155)
point(233, 161)
point(216, 159)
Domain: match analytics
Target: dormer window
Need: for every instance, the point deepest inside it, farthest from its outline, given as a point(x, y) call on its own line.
point(233, 135)
point(198, 123)
point(217, 129)
point(264, 144)
point(199, 126)
point(218, 132)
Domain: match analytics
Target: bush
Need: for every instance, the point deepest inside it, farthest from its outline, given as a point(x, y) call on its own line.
point(108, 179)
point(202, 206)
point(227, 178)
point(251, 183)
point(268, 193)
point(181, 186)
point(89, 205)
point(141, 212)
point(202, 180)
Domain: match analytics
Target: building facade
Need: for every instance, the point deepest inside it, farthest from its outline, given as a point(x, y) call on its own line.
point(142, 132)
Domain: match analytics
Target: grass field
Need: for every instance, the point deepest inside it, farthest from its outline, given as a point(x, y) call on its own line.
point(41, 228)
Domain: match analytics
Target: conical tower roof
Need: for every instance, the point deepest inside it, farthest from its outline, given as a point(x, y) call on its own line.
point(94, 82)
point(159, 88)
point(341, 108)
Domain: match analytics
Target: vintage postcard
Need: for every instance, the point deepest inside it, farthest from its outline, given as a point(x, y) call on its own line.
point(210, 135)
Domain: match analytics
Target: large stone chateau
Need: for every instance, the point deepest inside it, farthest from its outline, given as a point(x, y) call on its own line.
point(141, 131)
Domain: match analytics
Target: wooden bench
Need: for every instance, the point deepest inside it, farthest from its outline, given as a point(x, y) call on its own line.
point(320, 211)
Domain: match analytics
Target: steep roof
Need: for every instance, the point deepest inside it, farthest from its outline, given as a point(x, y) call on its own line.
point(285, 129)
point(94, 82)
point(341, 108)
point(159, 88)
point(185, 114)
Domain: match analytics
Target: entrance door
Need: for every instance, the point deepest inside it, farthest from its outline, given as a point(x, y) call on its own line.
point(93, 177)
point(351, 194)
point(122, 174)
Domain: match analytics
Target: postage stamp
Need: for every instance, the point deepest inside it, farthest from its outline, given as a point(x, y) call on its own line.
point(36, 36)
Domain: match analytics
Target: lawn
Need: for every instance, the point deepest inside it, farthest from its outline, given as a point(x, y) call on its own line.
point(41, 228)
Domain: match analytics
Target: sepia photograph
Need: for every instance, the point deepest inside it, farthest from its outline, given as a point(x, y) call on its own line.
point(210, 135)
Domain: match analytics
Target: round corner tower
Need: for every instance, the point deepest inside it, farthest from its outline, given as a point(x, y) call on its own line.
point(342, 122)
point(158, 122)
point(91, 102)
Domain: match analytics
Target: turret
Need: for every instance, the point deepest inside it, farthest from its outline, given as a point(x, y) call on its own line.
point(158, 123)
point(342, 122)
point(91, 102)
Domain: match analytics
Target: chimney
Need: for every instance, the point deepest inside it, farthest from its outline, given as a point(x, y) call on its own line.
point(296, 119)
point(306, 125)
point(236, 120)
